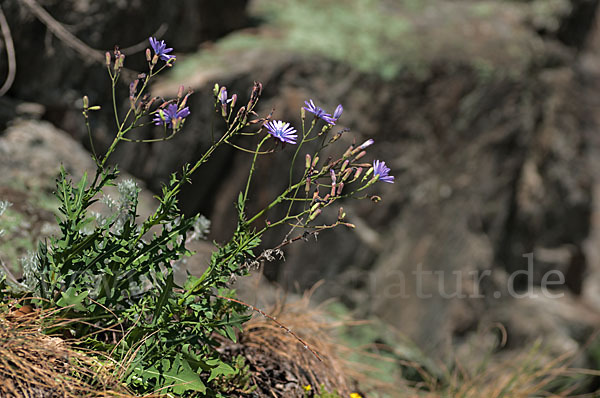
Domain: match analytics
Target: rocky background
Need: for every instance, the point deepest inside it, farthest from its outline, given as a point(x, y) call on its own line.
point(486, 111)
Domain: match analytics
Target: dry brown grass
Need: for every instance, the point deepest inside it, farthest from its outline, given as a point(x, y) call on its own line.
point(35, 365)
point(294, 346)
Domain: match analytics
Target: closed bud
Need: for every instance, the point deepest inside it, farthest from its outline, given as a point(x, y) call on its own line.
point(86, 102)
point(360, 155)
point(325, 129)
point(107, 57)
point(233, 100)
point(315, 207)
point(154, 59)
point(133, 88)
point(315, 161)
point(348, 151)
point(345, 164)
point(185, 99)
point(180, 92)
point(340, 188)
point(307, 186)
point(346, 174)
point(302, 114)
point(358, 172)
point(148, 55)
point(341, 214)
point(335, 137)
point(308, 161)
point(216, 90)
point(314, 215)
point(94, 108)
point(367, 174)
point(366, 144)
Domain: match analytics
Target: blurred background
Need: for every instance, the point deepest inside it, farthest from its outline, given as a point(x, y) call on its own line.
point(486, 111)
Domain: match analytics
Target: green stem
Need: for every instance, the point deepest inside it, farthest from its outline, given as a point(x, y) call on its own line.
point(253, 167)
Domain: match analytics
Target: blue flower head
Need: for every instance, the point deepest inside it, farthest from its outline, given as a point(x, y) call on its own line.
point(318, 112)
point(170, 114)
point(160, 49)
point(381, 170)
point(282, 130)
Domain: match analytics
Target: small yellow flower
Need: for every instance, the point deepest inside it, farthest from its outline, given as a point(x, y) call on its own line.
point(307, 387)
point(355, 395)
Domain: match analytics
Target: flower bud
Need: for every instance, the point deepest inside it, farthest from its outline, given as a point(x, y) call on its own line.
point(94, 108)
point(308, 161)
point(314, 215)
point(346, 174)
point(315, 161)
point(348, 151)
point(133, 88)
point(86, 102)
point(358, 172)
point(360, 155)
point(345, 164)
point(367, 174)
point(340, 188)
point(180, 92)
point(307, 186)
point(216, 90)
point(154, 59)
point(223, 95)
point(148, 55)
point(366, 144)
point(233, 100)
point(341, 214)
point(325, 129)
point(107, 56)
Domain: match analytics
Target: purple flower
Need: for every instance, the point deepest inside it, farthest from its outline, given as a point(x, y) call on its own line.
point(282, 130)
point(170, 114)
point(338, 112)
point(223, 96)
point(318, 112)
point(366, 144)
point(381, 170)
point(160, 49)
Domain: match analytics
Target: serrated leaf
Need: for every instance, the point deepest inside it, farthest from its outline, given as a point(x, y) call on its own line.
point(221, 369)
point(71, 298)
